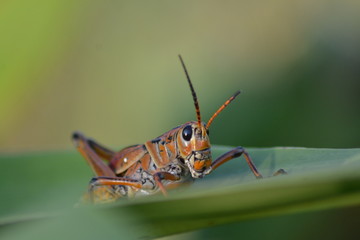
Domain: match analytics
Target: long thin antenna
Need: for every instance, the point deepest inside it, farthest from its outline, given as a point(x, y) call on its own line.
point(197, 108)
point(221, 108)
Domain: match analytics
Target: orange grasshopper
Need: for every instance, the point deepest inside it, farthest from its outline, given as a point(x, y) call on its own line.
point(175, 158)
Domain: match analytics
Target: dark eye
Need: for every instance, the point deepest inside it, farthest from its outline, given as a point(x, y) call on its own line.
point(207, 131)
point(187, 133)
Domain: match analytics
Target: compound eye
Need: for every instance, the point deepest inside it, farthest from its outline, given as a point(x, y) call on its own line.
point(187, 133)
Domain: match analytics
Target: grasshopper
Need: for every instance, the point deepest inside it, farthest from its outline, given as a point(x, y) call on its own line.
point(175, 158)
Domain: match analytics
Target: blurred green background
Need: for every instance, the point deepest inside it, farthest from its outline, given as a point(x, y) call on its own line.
point(110, 69)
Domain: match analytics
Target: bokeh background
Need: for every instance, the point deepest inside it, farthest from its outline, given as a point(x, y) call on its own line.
point(110, 69)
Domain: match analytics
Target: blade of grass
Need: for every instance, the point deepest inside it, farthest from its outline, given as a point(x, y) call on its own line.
point(318, 179)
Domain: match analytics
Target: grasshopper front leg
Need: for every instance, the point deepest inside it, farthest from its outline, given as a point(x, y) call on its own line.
point(237, 152)
point(160, 176)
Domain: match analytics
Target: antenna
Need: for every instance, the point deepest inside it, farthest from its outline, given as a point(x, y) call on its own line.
point(197, 108)
point(221, 108)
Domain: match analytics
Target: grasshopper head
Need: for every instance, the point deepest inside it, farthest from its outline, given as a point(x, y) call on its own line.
point(194, 145)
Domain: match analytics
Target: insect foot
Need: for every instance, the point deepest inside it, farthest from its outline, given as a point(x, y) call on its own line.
point(279, 172)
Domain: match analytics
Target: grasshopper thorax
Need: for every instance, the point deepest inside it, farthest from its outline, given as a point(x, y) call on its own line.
point(194, 145)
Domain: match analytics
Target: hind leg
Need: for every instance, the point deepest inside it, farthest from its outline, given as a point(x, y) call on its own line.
point(93, 154)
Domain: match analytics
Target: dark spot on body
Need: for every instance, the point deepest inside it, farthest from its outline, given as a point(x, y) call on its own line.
point(156, 140)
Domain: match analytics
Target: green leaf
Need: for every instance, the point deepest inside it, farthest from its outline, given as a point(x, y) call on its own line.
point(39, 191)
